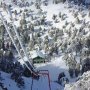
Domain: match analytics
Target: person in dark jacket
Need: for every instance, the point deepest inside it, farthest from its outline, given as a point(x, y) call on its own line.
point(61, 75)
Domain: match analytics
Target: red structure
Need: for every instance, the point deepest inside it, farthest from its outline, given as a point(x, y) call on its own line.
point(42, 73)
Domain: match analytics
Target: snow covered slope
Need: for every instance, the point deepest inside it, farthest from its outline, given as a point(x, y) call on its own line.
point(82, 84)
point(41, 84)
point(57, 64)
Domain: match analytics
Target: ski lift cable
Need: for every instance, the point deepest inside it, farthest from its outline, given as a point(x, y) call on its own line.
point(31, 70)
point(20, 54)
point(14, 27)
point(25, 53)
point(30, 62)
point(15, 44)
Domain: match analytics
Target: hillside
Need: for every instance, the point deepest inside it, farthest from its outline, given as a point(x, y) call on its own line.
point(56, 33)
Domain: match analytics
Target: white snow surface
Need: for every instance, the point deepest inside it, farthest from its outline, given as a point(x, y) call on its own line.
point(41, 84)
point(82, 84)
point(56, 65)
